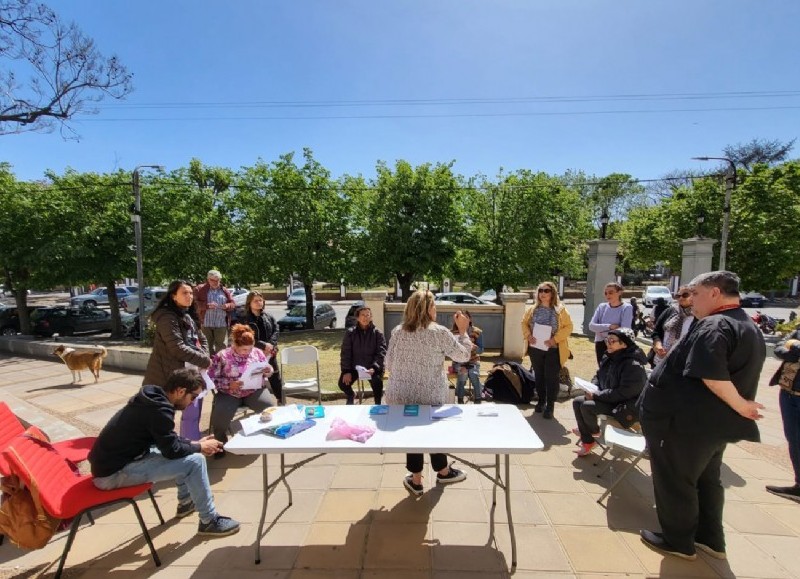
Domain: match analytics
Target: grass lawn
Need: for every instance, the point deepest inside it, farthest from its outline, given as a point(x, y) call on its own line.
point(329, 343)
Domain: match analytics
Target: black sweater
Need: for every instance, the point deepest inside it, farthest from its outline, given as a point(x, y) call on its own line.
point(148, 419)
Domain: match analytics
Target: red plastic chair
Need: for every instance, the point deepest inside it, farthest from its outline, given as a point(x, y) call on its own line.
point(64, 494)
point(75, 450)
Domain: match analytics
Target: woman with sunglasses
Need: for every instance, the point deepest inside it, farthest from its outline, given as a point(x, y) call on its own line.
point(609, 316)
point(547, 358)
point(620, 378)
point(672, 324)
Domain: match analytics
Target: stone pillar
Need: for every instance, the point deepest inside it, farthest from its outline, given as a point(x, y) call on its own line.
point(602, 256)
point(375, 300)
point(514, 309)
point(697, 254)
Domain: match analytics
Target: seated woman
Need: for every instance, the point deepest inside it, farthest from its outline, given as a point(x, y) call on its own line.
point(362, 345)
point(621, 378)
point(227, 369)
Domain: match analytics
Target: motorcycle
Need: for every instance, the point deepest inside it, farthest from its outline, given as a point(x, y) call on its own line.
point(766, 324)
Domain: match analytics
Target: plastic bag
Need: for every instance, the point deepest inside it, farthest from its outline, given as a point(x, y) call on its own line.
point(341, 430)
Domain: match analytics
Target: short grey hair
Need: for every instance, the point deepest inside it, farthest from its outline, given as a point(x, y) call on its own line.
point(214, 274)
point(726, 281)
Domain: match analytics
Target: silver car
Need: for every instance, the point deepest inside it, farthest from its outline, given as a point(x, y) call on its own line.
point(100, 296)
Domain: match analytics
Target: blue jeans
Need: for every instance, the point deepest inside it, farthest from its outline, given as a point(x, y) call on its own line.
point(790, 412)
point(473, 373)
point(190, 473)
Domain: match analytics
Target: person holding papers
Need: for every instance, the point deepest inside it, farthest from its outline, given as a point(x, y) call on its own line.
point(239, 373)
point(620, 380)
point(415, 361)
point(546, 327)
point(363, 351)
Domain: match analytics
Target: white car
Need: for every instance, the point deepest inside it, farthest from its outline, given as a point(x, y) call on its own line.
point(152, 295)
point(458, 298)
point(653, 292)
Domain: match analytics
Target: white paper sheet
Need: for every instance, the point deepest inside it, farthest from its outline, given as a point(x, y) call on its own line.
point(281, 414)
point(488, 409)
point(363, 374)
point(542, 333)
point(253, 375)
point(585, 385)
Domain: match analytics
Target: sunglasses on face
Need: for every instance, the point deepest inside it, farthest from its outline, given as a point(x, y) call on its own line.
point(683, 295)
point(544, 290)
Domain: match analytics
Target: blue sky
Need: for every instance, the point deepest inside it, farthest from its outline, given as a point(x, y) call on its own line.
point(337, 63)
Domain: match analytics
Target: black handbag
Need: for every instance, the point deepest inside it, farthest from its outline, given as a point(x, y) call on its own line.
point(626, 413)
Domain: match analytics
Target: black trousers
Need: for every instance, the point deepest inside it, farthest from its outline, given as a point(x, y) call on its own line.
point(275, 381)
point(414, 462)
point(546, 366)
point(686, 479)
point(600, 349)
point(376, 383)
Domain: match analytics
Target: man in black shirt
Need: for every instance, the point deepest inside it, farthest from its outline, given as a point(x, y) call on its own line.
point(700, 398)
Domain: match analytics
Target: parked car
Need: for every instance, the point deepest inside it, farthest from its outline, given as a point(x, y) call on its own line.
point(295, 319)
point(489, 296)
point(66, 321)
point(296, 297)
point(100, 296)
point(459, 298)
point(238, 315)
point(152, 295)
point(752, 300)
point(350, 319)
point(240, 290)
point(9, 320)
point(653, 292)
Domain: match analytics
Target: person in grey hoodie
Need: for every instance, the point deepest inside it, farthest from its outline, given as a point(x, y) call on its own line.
point(139, 445)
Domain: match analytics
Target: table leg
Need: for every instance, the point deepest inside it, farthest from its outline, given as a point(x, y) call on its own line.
point(508, 514)
point(265, 487)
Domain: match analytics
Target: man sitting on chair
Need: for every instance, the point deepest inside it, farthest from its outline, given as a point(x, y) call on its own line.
point(621, 378)
point(139, 444)
point(363, 345)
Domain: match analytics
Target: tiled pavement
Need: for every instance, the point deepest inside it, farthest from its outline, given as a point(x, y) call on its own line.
point(352, 519)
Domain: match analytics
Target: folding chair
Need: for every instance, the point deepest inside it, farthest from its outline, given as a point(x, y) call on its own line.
point(300, 356)
point(65, 495)
point(628, 440)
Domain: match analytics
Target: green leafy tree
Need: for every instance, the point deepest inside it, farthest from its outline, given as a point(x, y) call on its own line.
point(414, 223)
point(293, 220)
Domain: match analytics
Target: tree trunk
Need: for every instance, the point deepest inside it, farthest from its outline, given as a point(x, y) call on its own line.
point(21, 299)
point(498, 290)
point(309, 306)
point(404, 280)
point(113, 303)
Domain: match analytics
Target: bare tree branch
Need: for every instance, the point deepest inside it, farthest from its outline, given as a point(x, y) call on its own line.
point(50, 71)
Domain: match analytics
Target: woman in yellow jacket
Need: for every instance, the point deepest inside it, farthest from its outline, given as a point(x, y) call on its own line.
point(547, 355)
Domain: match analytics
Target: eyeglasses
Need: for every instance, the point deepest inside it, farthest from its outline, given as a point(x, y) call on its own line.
point(544, 290)
point(612, 341)
point(683, 295)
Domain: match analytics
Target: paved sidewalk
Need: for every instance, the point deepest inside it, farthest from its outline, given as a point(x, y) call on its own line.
point(352, 519)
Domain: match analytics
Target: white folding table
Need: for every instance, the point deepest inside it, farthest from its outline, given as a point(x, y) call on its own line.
point(505, 434)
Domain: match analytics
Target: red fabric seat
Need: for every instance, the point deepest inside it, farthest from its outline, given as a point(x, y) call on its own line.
point(65, 494)
point(75, 450)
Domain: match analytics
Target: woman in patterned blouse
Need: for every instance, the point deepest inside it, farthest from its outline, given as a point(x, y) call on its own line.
point(415, 362)
point(226, 371)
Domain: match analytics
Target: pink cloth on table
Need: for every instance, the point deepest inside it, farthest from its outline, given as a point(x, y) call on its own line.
point(341, 430)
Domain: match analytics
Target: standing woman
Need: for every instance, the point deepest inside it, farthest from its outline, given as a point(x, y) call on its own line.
point(177, 342)
point(612, 315)
point(266, 332)
point(415, 361)
point(546, 364)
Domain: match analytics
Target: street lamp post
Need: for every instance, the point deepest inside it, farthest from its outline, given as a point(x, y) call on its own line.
point(136, 218)
point(701, 218)
point(603, 223)
point(730, 185)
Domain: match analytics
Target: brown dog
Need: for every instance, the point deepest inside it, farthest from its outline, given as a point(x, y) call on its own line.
point(77, 360)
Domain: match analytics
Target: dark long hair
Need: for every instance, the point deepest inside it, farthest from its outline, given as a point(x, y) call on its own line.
point(168, 301)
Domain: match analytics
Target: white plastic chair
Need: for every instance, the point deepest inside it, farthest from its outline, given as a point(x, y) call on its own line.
point(300, 356)
point(631, 443)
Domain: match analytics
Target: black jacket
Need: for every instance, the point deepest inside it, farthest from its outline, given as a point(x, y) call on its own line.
point(621, 376)
point(148, 419)
point(363, 348)
point(265, 329)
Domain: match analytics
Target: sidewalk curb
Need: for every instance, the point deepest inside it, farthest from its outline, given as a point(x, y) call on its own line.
point(125, 360)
